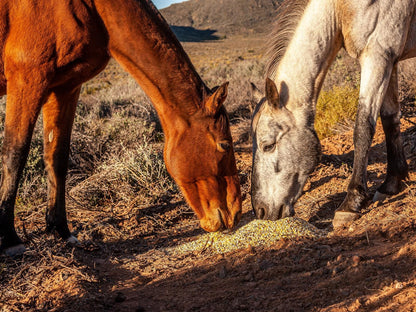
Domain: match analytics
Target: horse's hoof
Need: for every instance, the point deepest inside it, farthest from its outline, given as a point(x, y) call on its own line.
point(14, 251)
point(72, 240)
point(379, 197)
point(343, 218)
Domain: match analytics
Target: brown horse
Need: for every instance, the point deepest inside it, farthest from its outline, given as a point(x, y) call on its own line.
point(48, 48)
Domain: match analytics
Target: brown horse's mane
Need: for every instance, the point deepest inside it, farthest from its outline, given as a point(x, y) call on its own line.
point(287, 19)
point(205, 91)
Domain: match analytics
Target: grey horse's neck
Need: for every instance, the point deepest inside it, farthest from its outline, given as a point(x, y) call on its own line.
point(301, 71)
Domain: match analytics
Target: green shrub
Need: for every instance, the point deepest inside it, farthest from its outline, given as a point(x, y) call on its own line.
point(335, 107)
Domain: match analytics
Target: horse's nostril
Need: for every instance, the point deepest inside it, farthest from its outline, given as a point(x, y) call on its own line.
point(237, 218)
point(261, 213)
point(221, 220)
point(280, 212)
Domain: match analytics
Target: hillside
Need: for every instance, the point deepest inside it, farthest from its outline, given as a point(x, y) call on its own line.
point(224, 16)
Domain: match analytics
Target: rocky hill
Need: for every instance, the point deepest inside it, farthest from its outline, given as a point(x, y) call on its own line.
point(223, 16)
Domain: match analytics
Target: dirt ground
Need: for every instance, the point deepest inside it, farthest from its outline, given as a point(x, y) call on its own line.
point(369, 266)
point(366, 267)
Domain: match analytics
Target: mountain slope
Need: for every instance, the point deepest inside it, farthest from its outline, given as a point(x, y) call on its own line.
point(224, 16)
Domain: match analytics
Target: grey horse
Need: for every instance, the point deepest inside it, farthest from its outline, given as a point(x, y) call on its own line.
point(307, 36)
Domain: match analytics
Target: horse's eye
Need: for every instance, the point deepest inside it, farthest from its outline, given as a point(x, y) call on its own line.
point(269, 148)
point(224, 146)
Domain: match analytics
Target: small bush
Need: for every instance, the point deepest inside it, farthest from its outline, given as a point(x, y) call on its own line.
point(335, 107)
point(116, 152)
point(136, 171)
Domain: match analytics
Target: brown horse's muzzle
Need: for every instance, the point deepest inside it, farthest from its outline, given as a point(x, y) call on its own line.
point(216, 201)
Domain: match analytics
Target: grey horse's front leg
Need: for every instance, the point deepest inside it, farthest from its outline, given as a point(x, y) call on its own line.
point(375, 77)
point(397, 168)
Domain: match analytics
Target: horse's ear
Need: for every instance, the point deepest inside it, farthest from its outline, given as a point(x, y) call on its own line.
point(272, 95)
point(256, 93)
point(216, 99)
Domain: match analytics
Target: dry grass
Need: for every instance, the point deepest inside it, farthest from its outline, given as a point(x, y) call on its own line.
point(118, 189)
point(335, 109)
point(116, 151)
point(39, 287)
point(119, 193)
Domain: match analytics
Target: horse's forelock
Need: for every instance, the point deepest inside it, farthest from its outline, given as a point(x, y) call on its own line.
point(257, 112)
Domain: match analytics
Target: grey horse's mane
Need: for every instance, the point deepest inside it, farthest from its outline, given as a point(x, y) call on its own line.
point(288, 17)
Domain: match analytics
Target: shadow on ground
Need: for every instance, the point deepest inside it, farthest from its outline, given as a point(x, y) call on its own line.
point(190, 34)
point(293, 276)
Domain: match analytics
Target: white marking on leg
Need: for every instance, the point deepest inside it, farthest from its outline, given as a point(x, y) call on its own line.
point(50, 136)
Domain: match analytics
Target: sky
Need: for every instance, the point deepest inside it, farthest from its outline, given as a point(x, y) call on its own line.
point(160, 4)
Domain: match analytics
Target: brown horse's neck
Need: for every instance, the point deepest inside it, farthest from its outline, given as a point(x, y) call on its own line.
point(141, 40)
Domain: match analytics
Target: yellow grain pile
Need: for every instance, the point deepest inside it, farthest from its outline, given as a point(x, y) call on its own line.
point(254, 233)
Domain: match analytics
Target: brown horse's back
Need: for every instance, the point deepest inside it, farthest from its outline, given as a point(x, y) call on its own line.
point(72, 53)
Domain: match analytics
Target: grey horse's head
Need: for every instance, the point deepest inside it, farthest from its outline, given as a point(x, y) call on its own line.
point(284, 154)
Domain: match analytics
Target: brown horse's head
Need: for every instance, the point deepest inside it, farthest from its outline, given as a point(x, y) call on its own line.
point(199, 155)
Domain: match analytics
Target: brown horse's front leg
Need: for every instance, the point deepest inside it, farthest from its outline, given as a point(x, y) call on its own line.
point(376, 71)
point(22, 109)
point(58, 117)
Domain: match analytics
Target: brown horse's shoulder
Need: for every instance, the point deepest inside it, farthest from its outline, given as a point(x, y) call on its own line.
point(80, 32)
point(60, 36)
